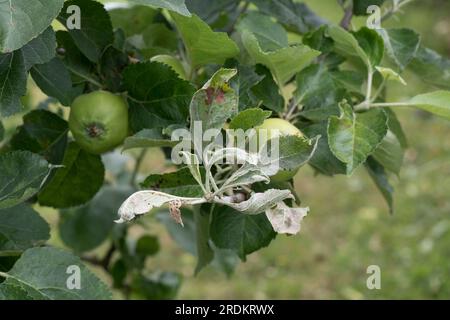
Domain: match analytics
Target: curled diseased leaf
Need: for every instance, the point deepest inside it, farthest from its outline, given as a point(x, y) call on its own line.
point(259, 202)
point(142, 202)
point(285, 219)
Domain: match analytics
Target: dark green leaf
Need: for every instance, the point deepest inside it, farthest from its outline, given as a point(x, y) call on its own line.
point(96, 31)
point(112, 64)
point(42, 132)
point(205, 254)
point(22, 175)
point(73, 58)
point(396, 128)
point(162, 97)
point(318, 93)
point(179, 183)
point(360, 6)
point(372, 44)
point(21, 228)
point(13, 82)
point(185, 236)
point(2, 131)
point(85, 228)
point(323, 159)
point(54, 80)
point(213, 11)
point(390, 153)
point(296, 16)
point(267, 92)
point(40, 50)
point(50, 277)
point(158, 286)
point(352, 137)
point(75, 183)
point(240, 232)
point(24, 21)
point(379, 177)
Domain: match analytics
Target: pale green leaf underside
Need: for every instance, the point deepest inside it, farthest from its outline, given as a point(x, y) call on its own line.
point(437, 102)
point(23, 20)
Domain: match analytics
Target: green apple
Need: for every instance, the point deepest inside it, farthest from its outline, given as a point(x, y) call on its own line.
point(99, 121)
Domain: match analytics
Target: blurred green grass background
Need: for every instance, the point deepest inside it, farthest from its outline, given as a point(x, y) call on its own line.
point(349, 227)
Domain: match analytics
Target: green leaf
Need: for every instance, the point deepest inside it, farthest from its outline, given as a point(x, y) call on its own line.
point(352, 137)
point(158, 286)
point(365, 44)
point(202, 227)
point(186, 238)
point(82, 172)
point(270, 35)
point(284, 63)
point(203, 45)
point(360, 6)
point(178, 183)
point(112, 63)
point(85, 228)
point(42, 132)
point(22, 21)
point(295, 151)
point(249, 118)
point(323, 160)
point(74, 60)
point(266, 92)
point(389, 74)
point(2, 131)
point(13, 82)
point(40, 50)
point(437, 102)
point(96, 31)
point(54, 80)
point(431, 67)
point(160, 97)
point(21, 228)
point(22, 176)
point(240, 232)
point(390, 153)
point(50, 277)
point(318, 93)
point(401, 45)
point(396, 128)
point(215, 13)
point(173, 5)
point(148, 138)
point(379, 177)
point(159, 39)
point(295, 16)
point(132, 20)
point(215, 102)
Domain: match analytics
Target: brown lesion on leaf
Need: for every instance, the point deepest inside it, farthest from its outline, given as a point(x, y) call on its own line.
point(215, 95)
point(175, 212)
